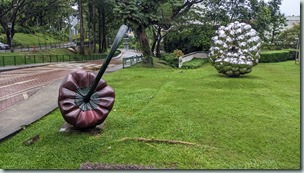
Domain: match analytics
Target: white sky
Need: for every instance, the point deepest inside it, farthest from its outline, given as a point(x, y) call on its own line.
point(290, 7)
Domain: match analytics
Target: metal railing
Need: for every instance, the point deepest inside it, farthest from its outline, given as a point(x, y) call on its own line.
point(40, 46)
point(34, 59)
point(126, 62)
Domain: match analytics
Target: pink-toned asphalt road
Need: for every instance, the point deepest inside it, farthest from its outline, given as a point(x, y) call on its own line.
point(20, 84)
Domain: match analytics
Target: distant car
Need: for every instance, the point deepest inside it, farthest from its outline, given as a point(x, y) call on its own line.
point(4, 46)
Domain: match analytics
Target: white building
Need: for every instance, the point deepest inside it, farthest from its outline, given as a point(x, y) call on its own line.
point(291, 20)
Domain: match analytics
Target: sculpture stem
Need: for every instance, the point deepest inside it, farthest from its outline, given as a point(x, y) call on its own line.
point(123, 29)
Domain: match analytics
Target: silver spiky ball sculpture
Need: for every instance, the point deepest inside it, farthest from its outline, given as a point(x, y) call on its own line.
point(235, 49)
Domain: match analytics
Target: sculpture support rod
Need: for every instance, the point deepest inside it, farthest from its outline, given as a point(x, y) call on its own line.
point(122, 30)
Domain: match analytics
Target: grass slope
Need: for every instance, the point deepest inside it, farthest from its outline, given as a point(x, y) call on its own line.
point(251, 122)
point(34, 39)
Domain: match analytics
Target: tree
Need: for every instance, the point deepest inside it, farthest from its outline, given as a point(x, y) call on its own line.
point(46, 13)
point(9, 10)
point(141, 14)
point(81, 20)
point(277, 20)
point(107, 21)
point(194, 37)
point(288, 37)
point(264, 17)
point(260, 19)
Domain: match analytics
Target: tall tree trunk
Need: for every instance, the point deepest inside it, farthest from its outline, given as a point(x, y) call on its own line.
point(155, 38)
point(9, 38)
point(144, 45)
point(104, 34)
point(159, 39)
point(90, 23)
point(94, 29)
point(99, 31)
point(81, 51)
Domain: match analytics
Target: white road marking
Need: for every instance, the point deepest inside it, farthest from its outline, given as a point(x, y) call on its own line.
point(18, 93)
point(17, 83)
point(25, 96)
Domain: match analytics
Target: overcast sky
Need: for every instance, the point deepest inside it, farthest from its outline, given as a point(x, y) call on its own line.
point(290, 7)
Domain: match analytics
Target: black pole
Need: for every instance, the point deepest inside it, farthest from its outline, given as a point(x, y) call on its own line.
point(120, 34)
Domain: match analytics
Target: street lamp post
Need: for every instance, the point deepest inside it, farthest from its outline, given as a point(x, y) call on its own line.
point(126, 38)
point(297, 40)
point(9, 24)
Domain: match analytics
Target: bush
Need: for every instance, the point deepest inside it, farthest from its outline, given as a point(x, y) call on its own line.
point(177, 53)
point(189, 39)
point(195, 63)
point(277, 56)
point(3, 38)
point(292, 54)
point(172, 58)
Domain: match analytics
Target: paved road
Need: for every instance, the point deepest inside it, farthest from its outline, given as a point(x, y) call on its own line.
point(20, 84)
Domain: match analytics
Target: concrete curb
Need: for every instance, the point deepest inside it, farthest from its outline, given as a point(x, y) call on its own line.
point(9, 68)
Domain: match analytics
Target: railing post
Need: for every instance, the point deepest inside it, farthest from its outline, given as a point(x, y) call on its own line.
point(3, 62)
point(24, 59)
point(15, 60)
point(34, 59)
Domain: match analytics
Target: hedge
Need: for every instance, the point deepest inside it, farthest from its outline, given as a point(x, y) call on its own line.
point(277, 56)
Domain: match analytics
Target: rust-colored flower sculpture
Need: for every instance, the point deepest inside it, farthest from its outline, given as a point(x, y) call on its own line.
point(78, 112)
point(85, 100)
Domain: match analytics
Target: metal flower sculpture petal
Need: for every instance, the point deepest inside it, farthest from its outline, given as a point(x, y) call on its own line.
point(235, 49)
point(71, 102)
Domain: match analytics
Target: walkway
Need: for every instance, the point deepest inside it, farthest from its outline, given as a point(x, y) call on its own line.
point(28, 94)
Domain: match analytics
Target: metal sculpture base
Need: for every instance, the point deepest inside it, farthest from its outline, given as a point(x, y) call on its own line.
point(68, 128)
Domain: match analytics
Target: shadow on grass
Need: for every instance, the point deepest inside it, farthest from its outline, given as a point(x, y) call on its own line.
point(238, 77)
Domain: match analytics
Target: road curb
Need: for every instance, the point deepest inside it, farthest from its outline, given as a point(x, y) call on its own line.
point(9, 68)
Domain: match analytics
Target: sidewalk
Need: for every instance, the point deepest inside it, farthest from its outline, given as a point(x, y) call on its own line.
point(22, 114)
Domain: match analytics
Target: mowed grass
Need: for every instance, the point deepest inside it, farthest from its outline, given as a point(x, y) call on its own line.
point(34, 39)
point(251, 122)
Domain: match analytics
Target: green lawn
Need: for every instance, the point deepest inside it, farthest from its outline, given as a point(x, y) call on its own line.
point(251, 122)
point(34, 39)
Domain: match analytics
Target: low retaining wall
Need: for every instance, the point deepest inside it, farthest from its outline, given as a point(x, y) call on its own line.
point(190, 56)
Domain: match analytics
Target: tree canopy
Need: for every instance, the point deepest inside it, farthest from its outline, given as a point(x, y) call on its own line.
point(151, 20)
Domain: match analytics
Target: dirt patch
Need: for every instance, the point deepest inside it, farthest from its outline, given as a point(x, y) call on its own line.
point(112, 166)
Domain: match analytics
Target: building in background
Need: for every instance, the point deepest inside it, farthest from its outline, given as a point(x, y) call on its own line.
point(291, 20)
